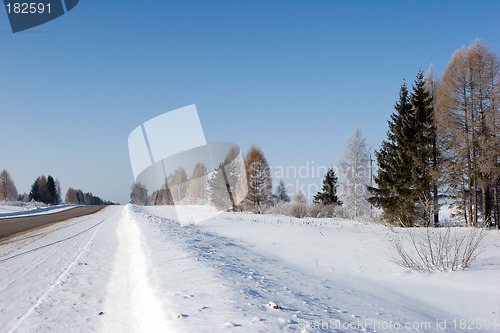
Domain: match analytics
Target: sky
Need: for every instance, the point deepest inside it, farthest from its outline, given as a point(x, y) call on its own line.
point(295, 78)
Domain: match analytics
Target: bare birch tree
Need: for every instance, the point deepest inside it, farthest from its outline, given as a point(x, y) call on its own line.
point(177, 182)
point(197, 187)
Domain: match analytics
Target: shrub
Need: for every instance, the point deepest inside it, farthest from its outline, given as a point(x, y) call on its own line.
point(441, 249)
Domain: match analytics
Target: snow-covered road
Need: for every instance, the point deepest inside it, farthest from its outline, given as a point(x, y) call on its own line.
point(133, 269)
point(56, 278)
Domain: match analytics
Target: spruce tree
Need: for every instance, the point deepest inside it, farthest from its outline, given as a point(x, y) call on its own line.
point(36, 193)
point(395, 194)
point(426, 152)
point(328, 195)
point(405, 159)
point(51, 191)
point(281, 196)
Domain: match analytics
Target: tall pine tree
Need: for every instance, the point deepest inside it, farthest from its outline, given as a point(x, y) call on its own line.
point(426, 152)
point(52, 196)
point(328, 195)
point(395, 193)
point(405, 176)
point(281, 196)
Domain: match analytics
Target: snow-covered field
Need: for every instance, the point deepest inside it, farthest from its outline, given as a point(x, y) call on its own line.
point(135, 269)
point(9, 210)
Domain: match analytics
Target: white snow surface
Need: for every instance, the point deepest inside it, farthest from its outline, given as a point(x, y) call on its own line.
point(136, 269)
point(29, 209)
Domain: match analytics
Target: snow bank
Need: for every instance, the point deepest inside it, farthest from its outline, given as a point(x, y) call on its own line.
point(132, 303)
point(355, 256)
point(11, 210)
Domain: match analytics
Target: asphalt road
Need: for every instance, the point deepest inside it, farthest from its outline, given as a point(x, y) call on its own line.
point(13, 225)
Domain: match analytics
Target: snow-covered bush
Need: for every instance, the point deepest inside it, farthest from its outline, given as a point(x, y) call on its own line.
point(298, 209)
point(320, 211)
point(301, 210)
point(437, 249)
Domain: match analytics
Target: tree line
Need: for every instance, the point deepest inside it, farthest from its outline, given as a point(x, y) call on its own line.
point(443, 144)
point(442, 148)
point(47, 190)
point(222, 187)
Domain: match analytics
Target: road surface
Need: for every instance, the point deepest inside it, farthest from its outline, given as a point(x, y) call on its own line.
point(14, 225)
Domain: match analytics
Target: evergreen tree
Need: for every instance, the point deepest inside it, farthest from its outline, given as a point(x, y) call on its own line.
point(39, 190)
point(281, 196)
point(395, 193)
point(328, 195)
point(405, 159)
point(425, 152)
point(51, 191)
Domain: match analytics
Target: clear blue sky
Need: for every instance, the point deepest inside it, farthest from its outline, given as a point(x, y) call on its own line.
point(294, 77)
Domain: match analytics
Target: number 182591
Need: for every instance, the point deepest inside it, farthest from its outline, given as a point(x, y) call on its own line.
point(27, 8)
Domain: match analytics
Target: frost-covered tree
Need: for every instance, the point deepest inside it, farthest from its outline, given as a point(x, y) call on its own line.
point(220, 191)
point(355, 176)
point(197, 187)
point(298, 197)
point(328, 193)
point(177, 183)
point(139, 194)
point(8, 190)
point(298, 207)
point(260, 183)
point(281, 196)
point(227, 182)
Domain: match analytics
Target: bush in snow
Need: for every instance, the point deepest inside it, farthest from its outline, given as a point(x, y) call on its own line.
point(301, 210)
point(320, 211)
point(298, 207)
point(437, 249)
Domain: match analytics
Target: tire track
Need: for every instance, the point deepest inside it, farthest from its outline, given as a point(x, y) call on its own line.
point(61, 276)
